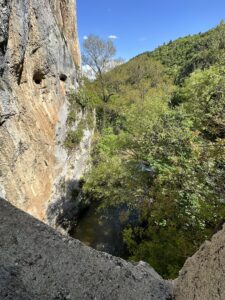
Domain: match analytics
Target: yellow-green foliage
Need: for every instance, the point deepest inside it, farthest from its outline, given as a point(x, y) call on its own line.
point(160, 148)
point(74, 136)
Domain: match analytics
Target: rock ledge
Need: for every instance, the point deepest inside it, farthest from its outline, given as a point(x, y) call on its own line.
point(38, 263)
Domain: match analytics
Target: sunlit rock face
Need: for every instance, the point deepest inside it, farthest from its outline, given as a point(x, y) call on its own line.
point(39, 53)
point(202, 276)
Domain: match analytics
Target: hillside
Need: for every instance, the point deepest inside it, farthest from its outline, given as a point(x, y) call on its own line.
point(185, 55)
point(159, 148)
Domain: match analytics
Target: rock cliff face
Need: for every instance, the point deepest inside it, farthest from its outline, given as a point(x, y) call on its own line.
point(39, 53)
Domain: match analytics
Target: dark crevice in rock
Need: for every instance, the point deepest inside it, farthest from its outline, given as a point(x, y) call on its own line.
point(5, 117)
point(35, 50)
point(38, 76)
point(19, 71)
point(3, 47)
point(4, 28)
point(63, 77)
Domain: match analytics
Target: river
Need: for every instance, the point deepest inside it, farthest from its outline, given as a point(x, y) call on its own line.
point(102, 230)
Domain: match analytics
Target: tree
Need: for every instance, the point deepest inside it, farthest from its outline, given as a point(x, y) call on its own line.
point(98, 55)
point(203, 96)
point(144, 74)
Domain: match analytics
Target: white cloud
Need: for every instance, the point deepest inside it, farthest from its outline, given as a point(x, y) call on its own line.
point(113, 37)
point(142, 39)
point(85, 37)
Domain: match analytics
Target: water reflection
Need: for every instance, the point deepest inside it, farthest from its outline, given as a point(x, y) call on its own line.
point(102, 230)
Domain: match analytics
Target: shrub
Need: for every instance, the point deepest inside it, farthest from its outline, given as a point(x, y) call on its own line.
point(74, 137)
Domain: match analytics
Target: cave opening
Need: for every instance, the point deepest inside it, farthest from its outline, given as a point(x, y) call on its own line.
point(38, 77)
point(63, 77)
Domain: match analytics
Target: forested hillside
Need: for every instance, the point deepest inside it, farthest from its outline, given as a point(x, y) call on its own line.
point(185, 55)
point(159, 147)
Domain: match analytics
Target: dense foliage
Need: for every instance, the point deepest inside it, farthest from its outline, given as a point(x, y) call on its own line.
point(160, 147)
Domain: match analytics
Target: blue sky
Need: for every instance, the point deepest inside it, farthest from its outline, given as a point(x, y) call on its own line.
point(142, 25)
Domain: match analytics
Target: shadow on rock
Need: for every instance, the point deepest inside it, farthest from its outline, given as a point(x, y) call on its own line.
point(66, 209)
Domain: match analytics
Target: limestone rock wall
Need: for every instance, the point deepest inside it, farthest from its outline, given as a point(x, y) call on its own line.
point(65, 13)
point(39, 53)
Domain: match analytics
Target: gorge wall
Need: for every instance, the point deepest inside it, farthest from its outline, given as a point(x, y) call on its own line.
point(39, 55)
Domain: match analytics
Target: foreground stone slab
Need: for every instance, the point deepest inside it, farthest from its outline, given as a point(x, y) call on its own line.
point(203, 275)
point(40, 264)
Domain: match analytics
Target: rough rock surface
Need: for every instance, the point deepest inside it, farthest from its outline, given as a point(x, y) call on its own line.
point(66, 201)
point(38, 263)
point(39, 52)
point(203, 275)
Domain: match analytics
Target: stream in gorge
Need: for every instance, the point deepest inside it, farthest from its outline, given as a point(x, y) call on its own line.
point(102, 230)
